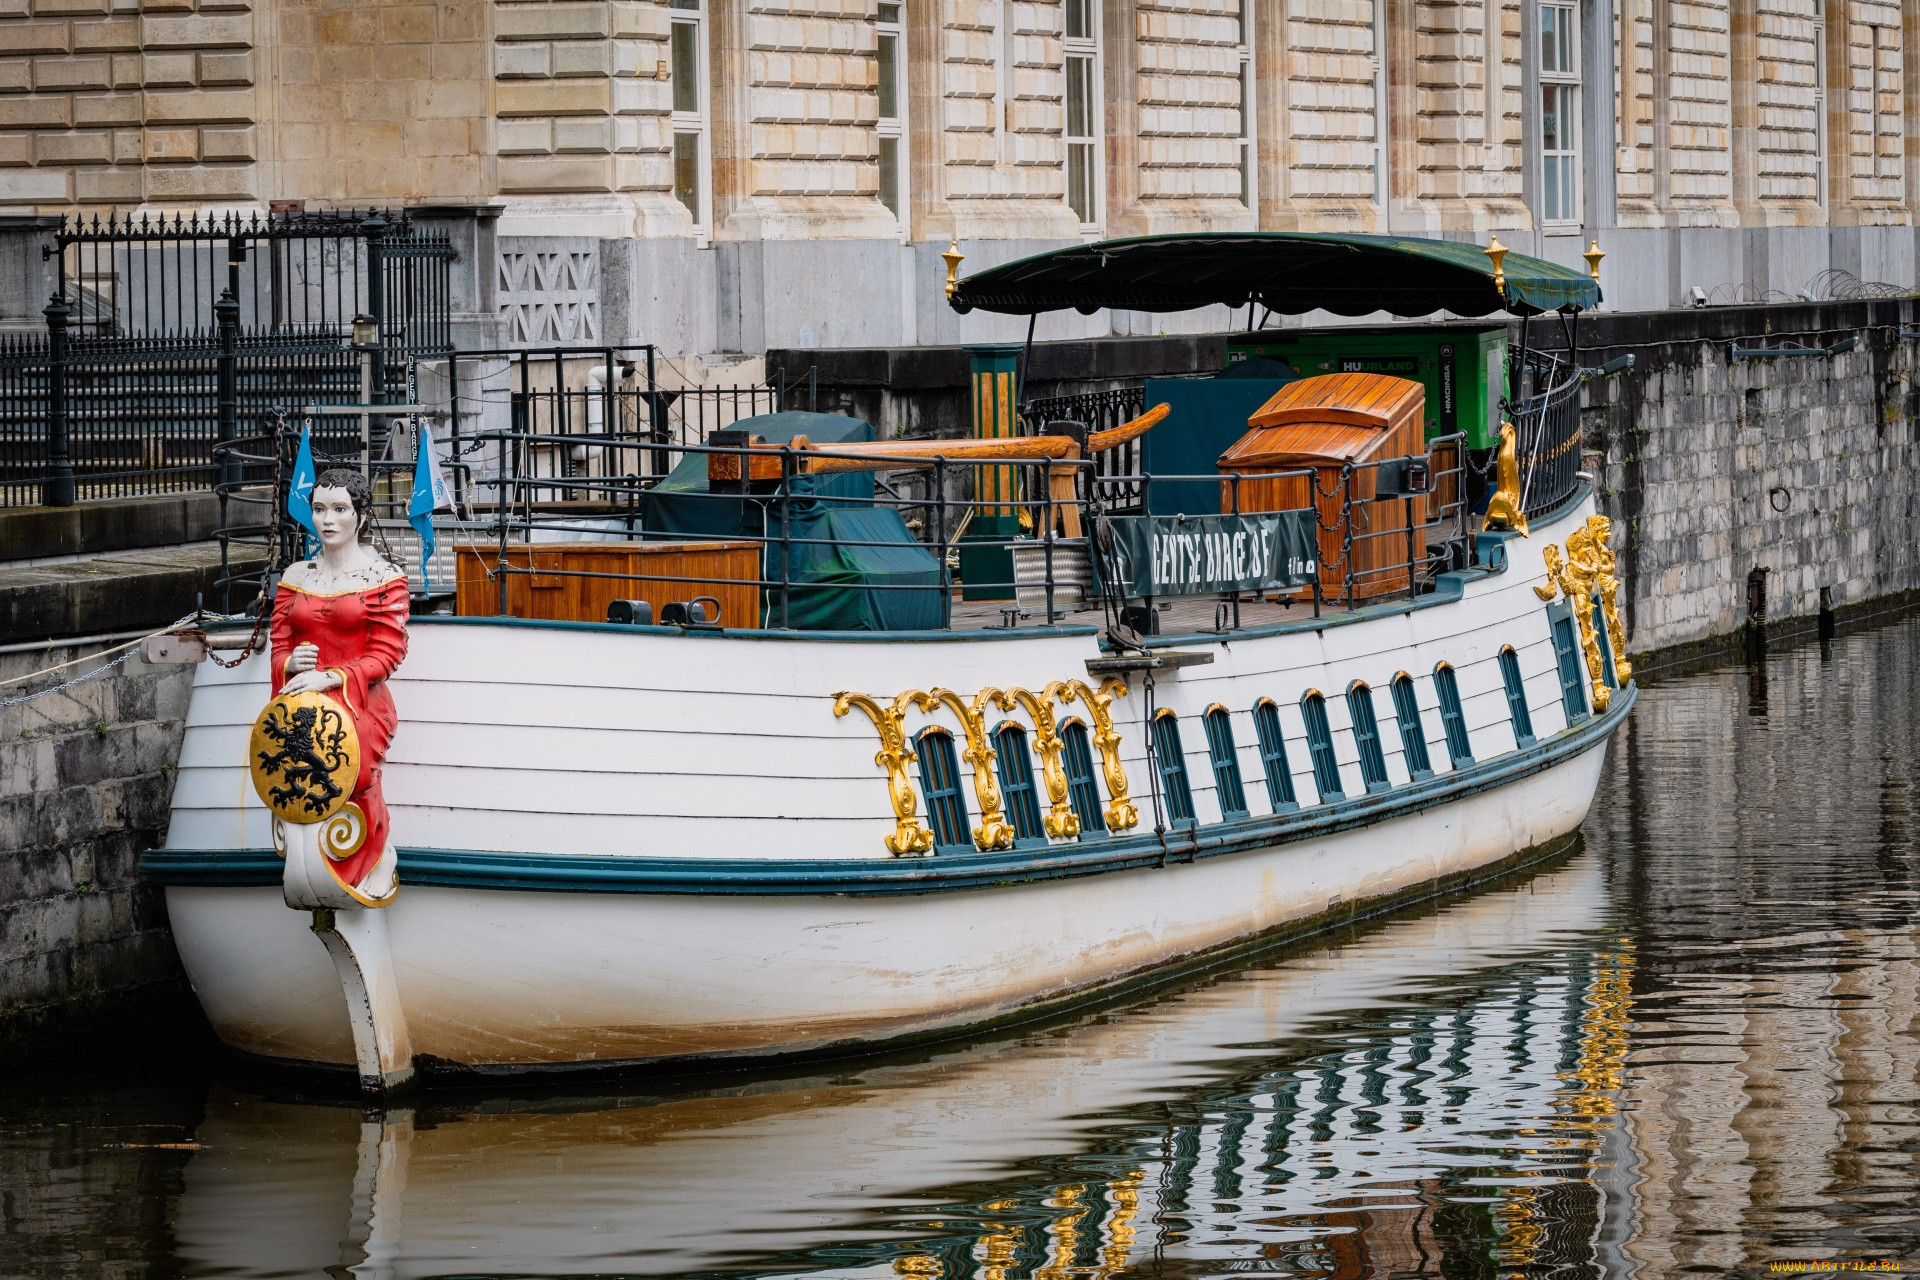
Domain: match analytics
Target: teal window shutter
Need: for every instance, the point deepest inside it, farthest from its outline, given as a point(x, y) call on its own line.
point(1452, 718)
point(1082, 793)
point(1273, 755)
point(1173, 767)
point(1566, 651)
point(1606, 644)
point(1516, 697)
point(1366, 736)
point(1413, 734)
point(940, 782)
point(1326, 768)
point(1015, 767)
point(1226, 763)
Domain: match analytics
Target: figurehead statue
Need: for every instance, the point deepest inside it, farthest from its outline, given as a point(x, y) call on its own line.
point(339, 630)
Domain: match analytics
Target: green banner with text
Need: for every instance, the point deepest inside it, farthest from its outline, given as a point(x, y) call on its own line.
point(1207, 555)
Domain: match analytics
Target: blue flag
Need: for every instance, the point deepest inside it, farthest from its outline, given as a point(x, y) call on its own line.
point(430, 493)
point(300, 492)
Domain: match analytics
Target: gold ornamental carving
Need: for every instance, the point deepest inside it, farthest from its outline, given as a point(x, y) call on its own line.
point(994, 832)
point(1587, 573)
point(1122, 814)
point(910, 837)
point(1061, 822)
point(304, 757)
point(1503, 508)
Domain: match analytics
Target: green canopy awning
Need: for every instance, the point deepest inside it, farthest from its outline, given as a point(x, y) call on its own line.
point(1290, 272)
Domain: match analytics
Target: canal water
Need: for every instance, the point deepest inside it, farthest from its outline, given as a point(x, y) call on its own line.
point(1689, 1044)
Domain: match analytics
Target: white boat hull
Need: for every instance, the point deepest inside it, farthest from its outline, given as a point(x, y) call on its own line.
point(632, 757)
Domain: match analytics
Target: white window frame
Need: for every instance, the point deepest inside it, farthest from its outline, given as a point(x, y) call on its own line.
point(1565, 81)
point(1249, 168)
point(1084, 49)
point(1820, 141)
point(682, 15)
point(893, 128)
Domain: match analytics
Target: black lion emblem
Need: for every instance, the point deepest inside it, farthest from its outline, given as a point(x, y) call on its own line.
point(312, 745)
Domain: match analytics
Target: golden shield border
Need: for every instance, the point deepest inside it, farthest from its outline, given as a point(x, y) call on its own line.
point(304, 757)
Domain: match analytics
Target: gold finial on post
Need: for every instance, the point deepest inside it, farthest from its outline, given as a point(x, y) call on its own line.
point(1497, 254)
point(953, 258)
point(1593, 257)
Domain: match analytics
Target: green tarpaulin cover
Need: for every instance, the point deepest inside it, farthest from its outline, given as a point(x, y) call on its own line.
point(681, 507)
point(844, 582)
point(1209, 414)
point(1289, 271)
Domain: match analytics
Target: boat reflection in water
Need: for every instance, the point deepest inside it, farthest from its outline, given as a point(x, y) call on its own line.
point(1434, 1088)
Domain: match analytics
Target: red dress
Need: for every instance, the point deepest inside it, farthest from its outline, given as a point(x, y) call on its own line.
point(362, 636)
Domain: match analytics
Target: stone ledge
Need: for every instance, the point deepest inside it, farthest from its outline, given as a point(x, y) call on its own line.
point(111, 593)
point(118, 524)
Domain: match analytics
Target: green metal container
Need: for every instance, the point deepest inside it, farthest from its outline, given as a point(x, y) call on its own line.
point(1464, 366)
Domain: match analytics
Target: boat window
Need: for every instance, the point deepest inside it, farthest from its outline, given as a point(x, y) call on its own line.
point(1413, 734)
point(1606, 645)
point(1326, 769)
point(1077, 754)
point(940, 782)
point(1573, 687)
point(1452, 719)
point(1273, 755)
point(1516, 697)
point(1015, 767)
point(1226, 763)
point(1366, 736)
point(1173, 767)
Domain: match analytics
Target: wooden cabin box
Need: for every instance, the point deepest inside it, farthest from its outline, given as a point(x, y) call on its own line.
point(1324, 424)
point(556, 591)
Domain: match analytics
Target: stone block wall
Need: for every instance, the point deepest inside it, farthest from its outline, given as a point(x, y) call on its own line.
point(1807, 467)
point(86, 777)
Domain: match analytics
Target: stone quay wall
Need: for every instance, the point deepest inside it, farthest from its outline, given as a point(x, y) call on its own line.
point(86, 778)
point(1712, 466)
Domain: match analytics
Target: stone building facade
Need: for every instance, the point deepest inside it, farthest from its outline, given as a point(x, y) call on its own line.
point(734, 175)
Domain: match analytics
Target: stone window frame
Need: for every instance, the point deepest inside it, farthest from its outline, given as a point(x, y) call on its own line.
point(1249, 163)
point(696, 122)
point(1566, 81)
point(890, 23)
point(1084, 50)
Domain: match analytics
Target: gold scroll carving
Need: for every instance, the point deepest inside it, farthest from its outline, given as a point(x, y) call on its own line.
point(1587, 573)
point(1122, 814)
point(909, 837)
point(1061, 822)
point(994, 832)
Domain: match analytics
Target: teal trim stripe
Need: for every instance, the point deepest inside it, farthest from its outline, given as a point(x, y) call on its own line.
point(600, 873)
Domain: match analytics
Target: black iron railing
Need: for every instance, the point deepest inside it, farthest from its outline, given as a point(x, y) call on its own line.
point(167, 336)
point(1546, 427)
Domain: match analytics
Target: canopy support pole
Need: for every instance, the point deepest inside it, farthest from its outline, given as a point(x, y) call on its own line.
point(1020, 379)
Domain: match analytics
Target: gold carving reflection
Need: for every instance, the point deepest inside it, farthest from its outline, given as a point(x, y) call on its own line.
point(909, 837)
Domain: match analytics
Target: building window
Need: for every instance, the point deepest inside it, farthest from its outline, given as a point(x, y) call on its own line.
point(1273, 755)
point(892, 125)
point(1566, 650)
point(1559, 113)
point(1413, 734)
point(1226, 763)
point(1172, 761)
point(1516, 697)
point(1452, 718)
point(940, 783)
point(1082, 49)
point(1077, 754)
point(1326, 769)
point(1015, 767)
point(1366, 736)
point(687, 50)
point(1243, 52)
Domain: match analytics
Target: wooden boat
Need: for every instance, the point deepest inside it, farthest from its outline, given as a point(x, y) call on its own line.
point(661, 845)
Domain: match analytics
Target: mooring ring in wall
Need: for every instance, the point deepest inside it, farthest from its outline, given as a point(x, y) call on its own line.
point(1780, 497)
